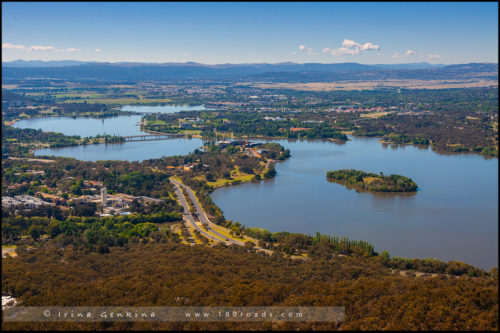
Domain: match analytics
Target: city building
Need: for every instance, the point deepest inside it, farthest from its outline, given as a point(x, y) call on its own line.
point(104, 197)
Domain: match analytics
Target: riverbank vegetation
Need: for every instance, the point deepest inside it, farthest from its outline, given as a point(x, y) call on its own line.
point(21, 141)
point(373, 182)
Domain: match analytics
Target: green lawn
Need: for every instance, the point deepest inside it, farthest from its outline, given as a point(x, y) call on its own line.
point(121, 101)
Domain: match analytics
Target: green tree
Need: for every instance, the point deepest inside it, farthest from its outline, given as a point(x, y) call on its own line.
point(35, 231)
point(385, 255)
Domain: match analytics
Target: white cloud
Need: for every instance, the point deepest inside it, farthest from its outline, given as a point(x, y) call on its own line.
point(37, 48)
point(97, 50)
point(350, 43)
point(434, 56)
point(69, 49)
point(350, 47)
point(406, 54)
point(369, 46)
point(346, 51)
point(308, 50)
point(41, 48)
point(12, 46)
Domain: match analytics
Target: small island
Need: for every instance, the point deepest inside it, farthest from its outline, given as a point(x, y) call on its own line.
point(372, 181)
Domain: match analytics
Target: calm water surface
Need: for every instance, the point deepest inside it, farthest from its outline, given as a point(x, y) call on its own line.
point(131, 151)
point(122, 125)
point(454, 216)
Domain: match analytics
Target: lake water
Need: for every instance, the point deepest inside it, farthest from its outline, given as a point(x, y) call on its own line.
point(122, 125)
point(131, 151)
point(454, 215)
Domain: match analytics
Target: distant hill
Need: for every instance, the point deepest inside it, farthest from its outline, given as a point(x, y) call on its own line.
point(40, 63)
point(416, 65)
point(285, 66)
point(280, 72)
point(473, 71)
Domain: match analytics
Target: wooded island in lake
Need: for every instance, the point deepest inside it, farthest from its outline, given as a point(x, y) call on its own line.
point(372, 181)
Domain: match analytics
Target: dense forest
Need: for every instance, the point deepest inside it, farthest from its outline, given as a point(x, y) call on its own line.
point(373, 182)
point(374, 296)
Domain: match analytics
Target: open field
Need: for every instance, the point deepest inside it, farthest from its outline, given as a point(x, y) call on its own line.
point(375, 114)
point(9, 86)
point(373, 85)
point(121, 101)
point(235, 176)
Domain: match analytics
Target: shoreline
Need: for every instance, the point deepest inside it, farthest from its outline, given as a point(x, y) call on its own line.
point(364, 190)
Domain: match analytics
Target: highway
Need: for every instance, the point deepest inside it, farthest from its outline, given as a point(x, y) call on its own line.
point(189, 217)
point(201, 213)
point(207, 223)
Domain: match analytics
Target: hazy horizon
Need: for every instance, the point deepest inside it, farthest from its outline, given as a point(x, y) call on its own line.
point(242, 63)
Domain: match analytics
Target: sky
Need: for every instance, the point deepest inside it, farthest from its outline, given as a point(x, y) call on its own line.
point(251, 32)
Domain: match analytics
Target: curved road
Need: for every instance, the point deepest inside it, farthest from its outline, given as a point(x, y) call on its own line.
point(189, 216)
point(203, 217)
point(201, 213)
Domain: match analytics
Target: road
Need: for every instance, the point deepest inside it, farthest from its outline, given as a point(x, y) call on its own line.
point(201, 213)
point(208, 224)
point(189, 217)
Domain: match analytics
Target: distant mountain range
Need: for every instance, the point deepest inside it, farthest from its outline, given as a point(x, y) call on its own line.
point(40, 63)
point(282, 72)
point(280, 66)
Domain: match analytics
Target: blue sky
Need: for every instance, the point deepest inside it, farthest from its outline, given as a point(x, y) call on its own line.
point(253, 32)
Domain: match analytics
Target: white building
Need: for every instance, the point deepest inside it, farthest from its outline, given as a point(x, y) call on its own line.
point(104, 197)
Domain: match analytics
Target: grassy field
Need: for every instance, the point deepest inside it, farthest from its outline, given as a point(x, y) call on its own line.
point(374, 115)
point(372, 85)
point(192, 132)
point(81, 95)
point(48, 111)
point(119, 101)
point(236, 175)
point(225, 232)
point(369, 180)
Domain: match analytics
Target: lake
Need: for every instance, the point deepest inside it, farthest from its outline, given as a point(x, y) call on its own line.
point(122, 125)
point(131, 151)
point(454, 215)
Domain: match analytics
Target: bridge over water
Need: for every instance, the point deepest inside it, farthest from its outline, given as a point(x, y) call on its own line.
point(150, 137)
